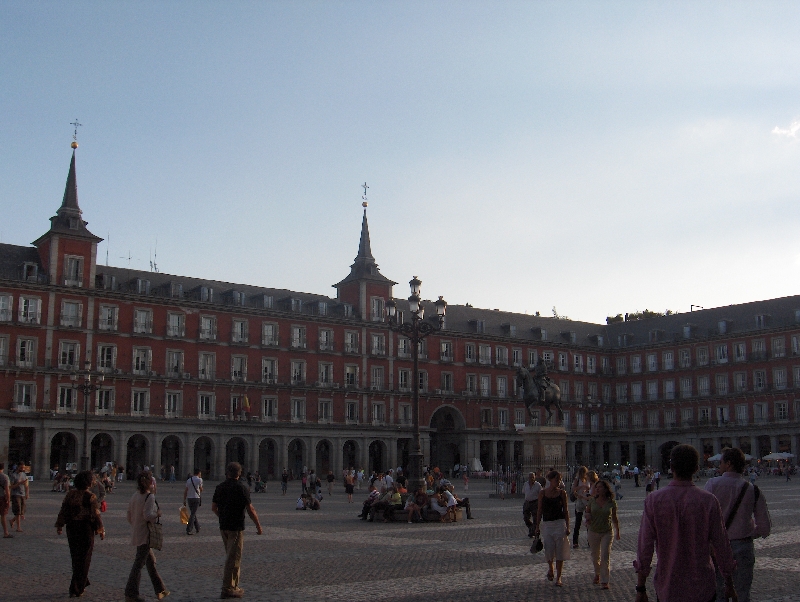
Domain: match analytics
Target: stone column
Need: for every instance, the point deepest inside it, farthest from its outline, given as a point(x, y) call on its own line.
point(219, 456)
point(392, 445)
point(773, 442)
point(754, 451)
point(365, 457)
point(41, 442)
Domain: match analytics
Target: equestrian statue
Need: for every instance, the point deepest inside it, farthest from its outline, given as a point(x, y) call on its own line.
point(539, 390)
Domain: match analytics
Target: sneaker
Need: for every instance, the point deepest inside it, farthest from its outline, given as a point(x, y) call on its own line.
point(162, 595)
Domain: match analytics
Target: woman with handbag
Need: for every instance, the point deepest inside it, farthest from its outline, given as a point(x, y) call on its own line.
point(80, 513)
point(552, 522)
point(143, 509)
point(601, 517)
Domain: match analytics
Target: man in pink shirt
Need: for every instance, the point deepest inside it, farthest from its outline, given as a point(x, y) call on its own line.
point(683, 525)
point(746, 518)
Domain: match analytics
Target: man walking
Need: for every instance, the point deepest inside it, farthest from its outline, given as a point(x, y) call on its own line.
point(5, 500)
point(191, 497)
point(683, 524)
point(531, 490)
point(231, 500)
point(20, 490)
point(746, 518)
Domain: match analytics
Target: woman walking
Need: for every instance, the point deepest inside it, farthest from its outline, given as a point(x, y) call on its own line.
point(552, 522)
point(580, 490)
point(142, 509)
point(80, 513)
point(601, 515)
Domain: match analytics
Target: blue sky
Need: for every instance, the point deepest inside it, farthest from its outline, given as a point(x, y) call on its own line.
point(598, 157)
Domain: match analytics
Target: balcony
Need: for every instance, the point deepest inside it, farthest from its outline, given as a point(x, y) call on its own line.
point(446, 358)
point(326, 346)
point(143, 327)
point(208, 334)
point(5, 315)
point(269, 342)
point(350, 348)
point(70, 321)
point(239, 338)
point(175, 331)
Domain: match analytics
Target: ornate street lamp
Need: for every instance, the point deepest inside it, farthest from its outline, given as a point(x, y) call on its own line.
point(86, 385)
point(590, 456)
point(416, 330)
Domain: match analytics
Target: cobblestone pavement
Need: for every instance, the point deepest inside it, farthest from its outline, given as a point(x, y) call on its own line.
point(331, 555)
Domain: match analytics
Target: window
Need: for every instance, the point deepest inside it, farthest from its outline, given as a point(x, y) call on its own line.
point(67, 397)
point(298, 410)
point(622, 421)
point(578, 391)
point(740, 382)
point(378, 344)
point(140, 402)
point(142, 357)
point(142, 321)
point(269, 370)
point(207, 363)
point(350, 342)
point(351, 376)
point(173, 404)
point(779, 378)
point(469, 353)
point(297, 305)
point(704, 415)
point(485, 354)
point(3, 351)
point(322, 308)
point(239, 368)
point(501, 356)
point(30, 310)
point(68, 355)
point(403, 347)
point(741, 414)
point(24, 396)
point(269, 334)
point(669, 389)
point(269, 409)
point(703, 386)
point(795, 341)
point(299, 337)
point(534, 418)
point(174, 367)
point(652, 390)
point(636, 392)
point(486, 385)
point(73, 270)
point(325, 374)
point(778, 347)
point(26, 353)
point(376, 307)
point(471, 384)
point(206, 294)
point(206, 405)
point(447, 382)
point(562, 362)
point(502, 386)
point(519, 417)
point(591, 364)
point(324, 411)
point(721, 354)
point(405, 414)
point(175, 325)
point(668, 359)
point(621, 366)
point(480, 326)
point(652, 362)
point(71, 314)
point(347, 310)
point(30, 271)
point(404, 380)
point(423, 381)
point(622, 392)
point(577, 363)
point(759, 380)
point(351, 412)
point(516, 357)
point(637, 420)
point(142, 286)
point(377, 413)
point(686, 387)
point(325, 339)
point(6, 304)
point(446, 351)
point(298, 368)
point(721, 383)
point(565, 421)
point(636, 364)
point(684, 358)
point(239, 331)
point(702, 356)
point(533, 358)
point(796, 376)
point(759, 412)
point(781, 410)
point(376, 378)
point(208, 328)
point(502, 418)
point(107, 317)
point(759, 349)
point(106, 358)
point(104, 402)
point(761, 321)
point(486, 417)
point(739, 352)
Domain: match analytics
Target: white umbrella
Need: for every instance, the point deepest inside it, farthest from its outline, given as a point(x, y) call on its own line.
point(715, 458)
point(778, 456)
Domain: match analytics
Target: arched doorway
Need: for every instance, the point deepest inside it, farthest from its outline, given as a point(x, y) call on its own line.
point(266, 458)
point(137, 455)
point(203, 456)
point(447, 433)
point(323, 458)
point(20, 445)
point(236, 451)
point(377, 456)
point(350, 455)
point(296, 462)
point(171, 456)
point(665, 450)
point(63, 451)
point(403, 453)
point(102, 450)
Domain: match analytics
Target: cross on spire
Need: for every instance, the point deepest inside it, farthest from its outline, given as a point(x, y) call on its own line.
point(77, 125)
point(364, 186)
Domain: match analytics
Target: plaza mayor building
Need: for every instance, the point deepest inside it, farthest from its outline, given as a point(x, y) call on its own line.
point(196, 373)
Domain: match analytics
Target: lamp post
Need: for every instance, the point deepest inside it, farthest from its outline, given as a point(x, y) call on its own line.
point(590, 406)
point(416, 330)
point(82, 381)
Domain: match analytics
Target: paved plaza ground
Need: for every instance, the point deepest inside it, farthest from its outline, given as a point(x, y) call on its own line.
point(331, 555)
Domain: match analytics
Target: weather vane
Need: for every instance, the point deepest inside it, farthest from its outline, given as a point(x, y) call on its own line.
point(364, 196)
point(75, 134)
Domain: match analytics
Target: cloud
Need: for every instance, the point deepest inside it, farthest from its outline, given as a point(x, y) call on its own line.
point(793, 131)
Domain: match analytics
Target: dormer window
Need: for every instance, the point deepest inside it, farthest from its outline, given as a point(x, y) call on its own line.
point(297, 305)
point(762, 320)
point(376, 309)
point(688, 330)
point(142, 286)
point(480, 325)
point(175, 290)
point(268, 302)
point(347, 309)
point(30, 272)
point(322, 308)
point(206, 294)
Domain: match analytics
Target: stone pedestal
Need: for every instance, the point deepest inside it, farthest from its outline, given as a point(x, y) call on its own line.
point(545, 447)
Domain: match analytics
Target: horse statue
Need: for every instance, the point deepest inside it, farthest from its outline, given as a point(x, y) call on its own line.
point(539, 390)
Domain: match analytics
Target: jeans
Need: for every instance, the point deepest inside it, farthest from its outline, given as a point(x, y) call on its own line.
point(144, 556)
point(194, 504)
point(529, 509)
point(233, 542)
point(600, 543)
point(577, 531)
point(745, 556)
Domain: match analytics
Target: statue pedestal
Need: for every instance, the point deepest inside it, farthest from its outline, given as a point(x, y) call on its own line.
point(545, 447)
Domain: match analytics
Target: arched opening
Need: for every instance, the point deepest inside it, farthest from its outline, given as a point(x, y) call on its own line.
point(266, 459)
point(63, 452)
point(171, 457)
point(403, 454)
point(236, 451)
point(203, 457)
point(665, 451)
point(20, 445)
point(323, 458)
point(764, 446)
point(102, 450)
point(502, 455)
point(744, 445)
point(350, 455)
point(137, 456)
point(296, 463)
point(447, 434)
point(785, 444)
point(377, 456)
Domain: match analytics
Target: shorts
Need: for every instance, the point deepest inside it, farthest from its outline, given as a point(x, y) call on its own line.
point(18, 505)
point(3, 506)
point(348, 489)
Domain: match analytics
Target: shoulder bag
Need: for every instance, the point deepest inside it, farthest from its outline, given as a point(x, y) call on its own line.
point(199, 497)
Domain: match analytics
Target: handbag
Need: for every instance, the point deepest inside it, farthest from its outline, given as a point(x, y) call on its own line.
point(155, 538)
point(103, 506)
point(184, 511)
point(537, 545)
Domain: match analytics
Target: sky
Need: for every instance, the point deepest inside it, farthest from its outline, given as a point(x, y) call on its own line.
point(593, 157)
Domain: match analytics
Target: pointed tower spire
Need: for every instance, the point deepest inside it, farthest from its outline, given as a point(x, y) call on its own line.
point(364, 249)
point(70, 202)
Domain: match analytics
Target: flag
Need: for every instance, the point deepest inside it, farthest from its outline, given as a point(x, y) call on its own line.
point(246, 404)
